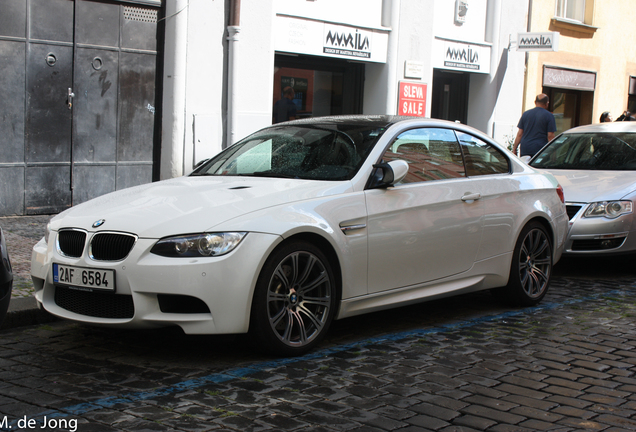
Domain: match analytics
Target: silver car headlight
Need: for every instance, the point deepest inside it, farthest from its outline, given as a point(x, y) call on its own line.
point(198, 245)
point(608, 209)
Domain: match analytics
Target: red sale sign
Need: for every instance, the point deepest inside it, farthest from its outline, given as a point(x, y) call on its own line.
point(412, 99)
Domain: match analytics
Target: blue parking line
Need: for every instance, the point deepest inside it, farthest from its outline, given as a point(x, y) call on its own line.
point(242, 372)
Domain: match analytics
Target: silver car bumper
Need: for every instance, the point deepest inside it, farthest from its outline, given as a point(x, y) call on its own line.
point(599, 235)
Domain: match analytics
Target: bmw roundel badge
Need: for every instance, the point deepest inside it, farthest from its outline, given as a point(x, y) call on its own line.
point(99, 223)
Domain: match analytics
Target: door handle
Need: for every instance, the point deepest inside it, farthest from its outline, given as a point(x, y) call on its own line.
point(471, 197)
point(69, 100)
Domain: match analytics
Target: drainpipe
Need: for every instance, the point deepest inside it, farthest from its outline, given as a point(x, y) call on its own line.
point(391, 18)
point(233, 31)
point(493, 29)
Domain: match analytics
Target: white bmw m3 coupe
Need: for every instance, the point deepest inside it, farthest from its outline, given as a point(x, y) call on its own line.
point(305, 222)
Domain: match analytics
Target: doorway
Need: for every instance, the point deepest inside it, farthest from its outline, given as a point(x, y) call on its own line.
point(450, 95)
point(84, 119)
point(322, 86)
point(571, 108)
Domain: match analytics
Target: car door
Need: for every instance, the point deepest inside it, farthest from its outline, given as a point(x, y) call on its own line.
point(488, 168)
point(429, 226)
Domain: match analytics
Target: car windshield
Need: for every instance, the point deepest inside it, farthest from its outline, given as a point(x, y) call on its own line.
point(313, 152)
point(589, 151)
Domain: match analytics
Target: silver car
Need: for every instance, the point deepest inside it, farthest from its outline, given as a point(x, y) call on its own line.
point(596, 166)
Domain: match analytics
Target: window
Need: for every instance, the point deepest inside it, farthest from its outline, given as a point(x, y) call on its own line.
point(481, 158)
point(591, 151)
point(571, 9)
point(313, 152)
point(432, 154)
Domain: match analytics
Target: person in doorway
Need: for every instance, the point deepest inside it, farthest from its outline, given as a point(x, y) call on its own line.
point(536, 128)
point(285, 108)
point(606, 117)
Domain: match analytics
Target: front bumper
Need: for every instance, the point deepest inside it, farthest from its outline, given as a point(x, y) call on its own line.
point(599, 235)
point(201, 295)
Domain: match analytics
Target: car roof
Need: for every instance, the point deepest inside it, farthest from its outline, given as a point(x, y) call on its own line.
point(380, 121)
point(369, 120)
point(614, 127)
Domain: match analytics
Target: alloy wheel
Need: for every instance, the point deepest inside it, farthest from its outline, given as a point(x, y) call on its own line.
point(299, 298)
point(535, 263)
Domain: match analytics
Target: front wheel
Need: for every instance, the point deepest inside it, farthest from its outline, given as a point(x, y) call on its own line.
point(294, 301)
point(531, 267)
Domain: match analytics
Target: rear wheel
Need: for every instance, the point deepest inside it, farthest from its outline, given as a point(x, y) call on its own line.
point(531, 267)
point(294, 301)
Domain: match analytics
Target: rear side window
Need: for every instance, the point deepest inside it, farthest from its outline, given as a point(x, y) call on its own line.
point(481, 158)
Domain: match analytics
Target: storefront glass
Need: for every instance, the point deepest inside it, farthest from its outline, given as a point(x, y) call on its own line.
point(321, 86)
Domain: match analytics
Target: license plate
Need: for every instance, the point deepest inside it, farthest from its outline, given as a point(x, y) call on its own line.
point(85, 278)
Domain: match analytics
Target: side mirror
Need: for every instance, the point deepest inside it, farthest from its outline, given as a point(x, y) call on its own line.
point(526, 158)
point(388, 174)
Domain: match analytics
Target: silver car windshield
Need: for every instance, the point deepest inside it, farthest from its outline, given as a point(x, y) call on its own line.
point(589, 151)
point(302, 152)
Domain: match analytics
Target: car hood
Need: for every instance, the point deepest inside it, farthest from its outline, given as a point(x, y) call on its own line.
point(590, 186)
point(189, 204)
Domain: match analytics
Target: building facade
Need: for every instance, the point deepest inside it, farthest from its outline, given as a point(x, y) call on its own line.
point(443, 59)
point(154, 86)
point(594, 69)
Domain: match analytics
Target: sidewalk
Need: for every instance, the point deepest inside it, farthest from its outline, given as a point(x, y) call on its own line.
point(21, 234)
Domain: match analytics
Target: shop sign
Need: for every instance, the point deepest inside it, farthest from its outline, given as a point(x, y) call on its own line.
point(412, 99)
point(569, 79)
point(547, 41)
point(461, 56)
point(302, 36)
point(413, 69)
point(347, 41)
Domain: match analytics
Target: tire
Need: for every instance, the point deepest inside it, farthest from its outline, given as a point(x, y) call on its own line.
point(531, 268)
point(294, 300)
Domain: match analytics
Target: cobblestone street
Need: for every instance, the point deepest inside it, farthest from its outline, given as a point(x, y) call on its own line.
point(455, 365)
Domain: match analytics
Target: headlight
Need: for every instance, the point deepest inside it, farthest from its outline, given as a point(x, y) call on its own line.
point(608, 209)
point(198, 245)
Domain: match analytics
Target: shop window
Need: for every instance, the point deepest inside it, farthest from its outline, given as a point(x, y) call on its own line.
point(322, 86)
point(631, 100)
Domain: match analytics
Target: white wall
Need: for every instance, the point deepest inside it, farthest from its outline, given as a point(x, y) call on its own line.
point(496, 99)
point(255, 67)
point(359, 13)
point(195, 79)
point(195, 75)
point(472, 30)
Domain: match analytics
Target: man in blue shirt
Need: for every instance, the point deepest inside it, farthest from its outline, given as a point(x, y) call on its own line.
point(536, 128)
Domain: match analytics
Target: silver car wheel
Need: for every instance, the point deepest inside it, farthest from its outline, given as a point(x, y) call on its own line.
point(535, 263)
point(299, 299)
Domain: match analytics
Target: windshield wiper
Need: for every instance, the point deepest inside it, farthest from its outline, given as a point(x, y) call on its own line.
point(271, 174)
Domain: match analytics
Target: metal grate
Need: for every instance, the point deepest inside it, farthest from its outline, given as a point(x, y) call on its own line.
point(597, 244)
point(175, 303)
point(132, 13)
point(572, 210)
point(71, 242)
point(95, 304)
point(111, 246)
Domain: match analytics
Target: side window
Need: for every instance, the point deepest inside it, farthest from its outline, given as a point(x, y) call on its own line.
point(482, 158)
point(432, 154)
